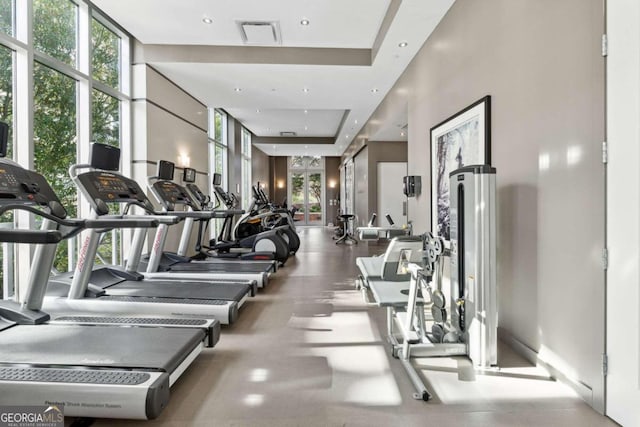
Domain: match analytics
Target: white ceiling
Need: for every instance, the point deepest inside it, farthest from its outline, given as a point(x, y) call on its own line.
point(305, 123)
point(282, 91)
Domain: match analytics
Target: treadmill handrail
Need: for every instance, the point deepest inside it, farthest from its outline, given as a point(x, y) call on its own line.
point(123, 222)
point(17, 235)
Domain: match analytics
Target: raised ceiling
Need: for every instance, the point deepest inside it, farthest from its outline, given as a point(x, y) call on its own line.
point(337, 68)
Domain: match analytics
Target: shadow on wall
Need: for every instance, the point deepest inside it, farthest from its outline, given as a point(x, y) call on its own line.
point(517, 274)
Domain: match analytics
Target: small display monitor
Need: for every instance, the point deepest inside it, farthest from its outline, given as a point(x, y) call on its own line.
point(189, 175)
point(4, 138)
point(165, 170)
point(217, 179)
point(105, 157)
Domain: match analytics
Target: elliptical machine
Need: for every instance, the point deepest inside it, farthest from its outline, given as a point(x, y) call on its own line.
point(263, 215)
point(261, 247)
point(260, 217)
point(226, 241)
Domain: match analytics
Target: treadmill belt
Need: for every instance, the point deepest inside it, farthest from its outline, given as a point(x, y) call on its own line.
point(85, 376)
point(171, 289)
point(221, 267)
point(161, 300)
point(112, 347)
point(133, 320)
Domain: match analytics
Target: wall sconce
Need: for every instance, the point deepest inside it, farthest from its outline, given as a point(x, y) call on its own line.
point(281, 184)
point(332, 184)
point(184, 160)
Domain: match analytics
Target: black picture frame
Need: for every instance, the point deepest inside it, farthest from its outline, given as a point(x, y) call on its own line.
point(460, 140)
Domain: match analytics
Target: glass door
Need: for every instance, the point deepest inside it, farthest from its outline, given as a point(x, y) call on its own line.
point(307, 195)
point(315, 190)
point(298, 185)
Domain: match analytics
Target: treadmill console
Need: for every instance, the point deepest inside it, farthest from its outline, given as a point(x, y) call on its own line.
point(172, 194)
point(19, 186)
point(105, 187)
point(199, 195)
point(224, 196)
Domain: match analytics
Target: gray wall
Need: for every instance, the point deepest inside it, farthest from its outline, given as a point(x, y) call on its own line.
point(260, 170)
point(332, 174)
point(167, 123)
point(278, 174)
point(361, 184)
point(234, 165)
point(547, 88)
point(366, 174)
point(380, 151)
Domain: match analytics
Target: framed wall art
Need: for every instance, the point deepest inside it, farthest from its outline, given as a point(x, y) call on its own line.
point(461, 140)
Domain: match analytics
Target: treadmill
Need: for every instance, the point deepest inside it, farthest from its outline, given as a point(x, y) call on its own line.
point(110, 289)
point(168, 265)
point(38, 192)
point(101, 371)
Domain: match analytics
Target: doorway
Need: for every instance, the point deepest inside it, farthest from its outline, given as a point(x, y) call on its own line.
point(391, 199)
point(306, 190)
point(622, 355)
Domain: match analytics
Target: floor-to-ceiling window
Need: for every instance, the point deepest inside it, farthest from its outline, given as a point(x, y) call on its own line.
point(64, 82)
point(218, 156)
point(246, 169)
point(6, 115)
point(306, 189)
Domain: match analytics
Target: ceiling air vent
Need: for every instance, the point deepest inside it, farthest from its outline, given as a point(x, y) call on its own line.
point(288, 133)
point(260, 32)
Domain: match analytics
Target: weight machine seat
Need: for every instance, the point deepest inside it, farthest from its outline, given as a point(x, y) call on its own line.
point(375, 233)
point(370, 267)
point(388, 266)
point(391, 294)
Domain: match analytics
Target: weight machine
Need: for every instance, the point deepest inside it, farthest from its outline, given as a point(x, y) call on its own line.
point(468, 326)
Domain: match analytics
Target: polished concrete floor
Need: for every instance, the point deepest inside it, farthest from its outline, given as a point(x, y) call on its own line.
point(308, 352)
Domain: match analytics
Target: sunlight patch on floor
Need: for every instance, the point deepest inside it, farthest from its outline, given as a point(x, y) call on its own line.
point(454, 382)
point(341, 327)
point(361, 374)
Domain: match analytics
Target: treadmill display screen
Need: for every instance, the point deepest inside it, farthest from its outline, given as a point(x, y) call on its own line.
point(172, 193)
point(111, 187)
point(165, 169)
point(189, 175)
point(19, 185)
point(195, 190)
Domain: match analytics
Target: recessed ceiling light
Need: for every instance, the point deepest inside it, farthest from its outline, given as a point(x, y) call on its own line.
point(258, 110)
point(374, 90)
point(401, 133)
point(304, 22)
point(274, 147)
point(306, 128)
point(237, 89)
point(305, 111)
point(346, 136)
point(355, 121)
point(403, 44)
point(305, 90)
point(207, 20)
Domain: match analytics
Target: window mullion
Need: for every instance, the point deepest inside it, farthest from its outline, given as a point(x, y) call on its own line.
point(23, 128)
